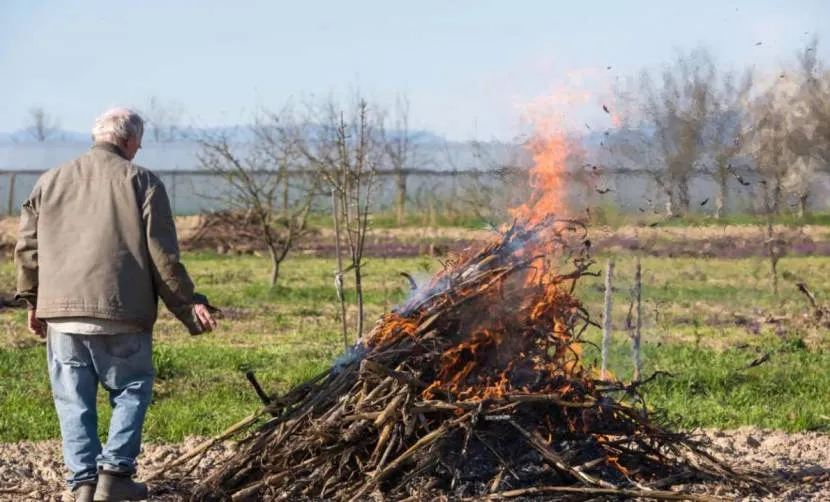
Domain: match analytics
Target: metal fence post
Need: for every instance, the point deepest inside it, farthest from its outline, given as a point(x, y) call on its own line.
point(173, 191)
point(10, 196)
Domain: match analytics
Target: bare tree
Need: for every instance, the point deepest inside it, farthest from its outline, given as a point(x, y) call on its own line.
point(42, 126)
point(800, 179)
point(163, 120)
point(668, 133)
point(809, 124)
point(500, 179)
point(813, 131)
point(725, 130)
point(402, 151)
point(256, 174)
point(348, 150)
point(769, 141)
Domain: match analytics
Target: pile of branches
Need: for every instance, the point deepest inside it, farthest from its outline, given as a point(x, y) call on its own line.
point(229, 232)
point(473, 388)
point(226, 231)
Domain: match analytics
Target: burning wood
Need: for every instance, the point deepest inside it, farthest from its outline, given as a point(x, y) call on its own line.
point(472, 388)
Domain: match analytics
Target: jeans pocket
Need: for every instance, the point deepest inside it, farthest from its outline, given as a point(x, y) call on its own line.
point(123, 346)
point(67, 349)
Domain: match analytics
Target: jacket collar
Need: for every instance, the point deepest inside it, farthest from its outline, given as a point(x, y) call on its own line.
point(109, 147)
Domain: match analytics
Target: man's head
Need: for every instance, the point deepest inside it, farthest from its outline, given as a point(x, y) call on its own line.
point(122, 127)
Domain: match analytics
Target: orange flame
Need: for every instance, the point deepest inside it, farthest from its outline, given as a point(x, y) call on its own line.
point(550, 150)
point(518, 334)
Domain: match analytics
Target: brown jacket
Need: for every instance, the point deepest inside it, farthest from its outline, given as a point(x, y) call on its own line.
point(97, 239)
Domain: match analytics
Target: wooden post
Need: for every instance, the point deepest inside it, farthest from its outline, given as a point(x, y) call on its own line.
point(635, 342)
point(606, 318)
point(10, 196)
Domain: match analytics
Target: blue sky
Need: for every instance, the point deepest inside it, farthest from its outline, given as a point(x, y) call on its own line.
point(467, 67)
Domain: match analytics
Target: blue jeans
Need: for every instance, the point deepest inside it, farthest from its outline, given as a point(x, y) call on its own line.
point(123, 364)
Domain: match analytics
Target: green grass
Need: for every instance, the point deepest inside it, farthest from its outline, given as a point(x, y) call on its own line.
point(201, 389)
point(289, 333)
point(718, 388)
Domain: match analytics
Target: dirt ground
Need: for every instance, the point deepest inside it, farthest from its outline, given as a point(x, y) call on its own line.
point(34, 471)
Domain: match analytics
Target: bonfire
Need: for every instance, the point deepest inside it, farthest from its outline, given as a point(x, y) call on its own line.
point(474, 387)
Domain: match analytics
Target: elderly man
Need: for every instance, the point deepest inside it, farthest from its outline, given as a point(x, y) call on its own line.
point(97, 248)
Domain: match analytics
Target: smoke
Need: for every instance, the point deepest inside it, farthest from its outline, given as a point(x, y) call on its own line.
point(353, 354)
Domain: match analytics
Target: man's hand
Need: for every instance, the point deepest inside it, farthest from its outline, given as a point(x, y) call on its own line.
point(36, 326)
point(204, 317)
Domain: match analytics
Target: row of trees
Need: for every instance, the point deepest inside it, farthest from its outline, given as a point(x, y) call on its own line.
point(695, 119)
point(294, 156)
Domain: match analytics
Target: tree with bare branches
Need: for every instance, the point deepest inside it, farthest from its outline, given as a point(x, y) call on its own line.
point(814, 91)
point(666, 134)
point(42, 126)
point(808, 135)
point(163, 120)
point(257, 173)
point(778, 144)
point(725, 130)
point(403, 153)
point(348, 150)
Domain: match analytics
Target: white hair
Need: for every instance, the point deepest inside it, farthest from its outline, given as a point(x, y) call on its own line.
point(118, 125)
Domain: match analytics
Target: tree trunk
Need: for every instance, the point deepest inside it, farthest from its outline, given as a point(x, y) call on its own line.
point(722, 197)
point(358, 286)
point(803, 204)
point(339, 277)
point(275, 266)
point(453, 193)
point(400, 203)
point(669, 203)
point(683, 196)
point(777, 195)
point(772, 248)
point(286, 209)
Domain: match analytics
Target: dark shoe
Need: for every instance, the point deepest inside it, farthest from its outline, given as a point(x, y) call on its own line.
point(114, 487)
point(83, 493)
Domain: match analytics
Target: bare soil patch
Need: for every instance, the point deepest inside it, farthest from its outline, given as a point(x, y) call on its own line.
point(33, 471)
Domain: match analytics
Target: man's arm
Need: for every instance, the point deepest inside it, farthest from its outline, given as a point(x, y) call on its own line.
point(25, 251)
point(25, 257)
point(171, 280)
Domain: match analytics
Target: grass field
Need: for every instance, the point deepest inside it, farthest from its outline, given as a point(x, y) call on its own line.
point(705, 322)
